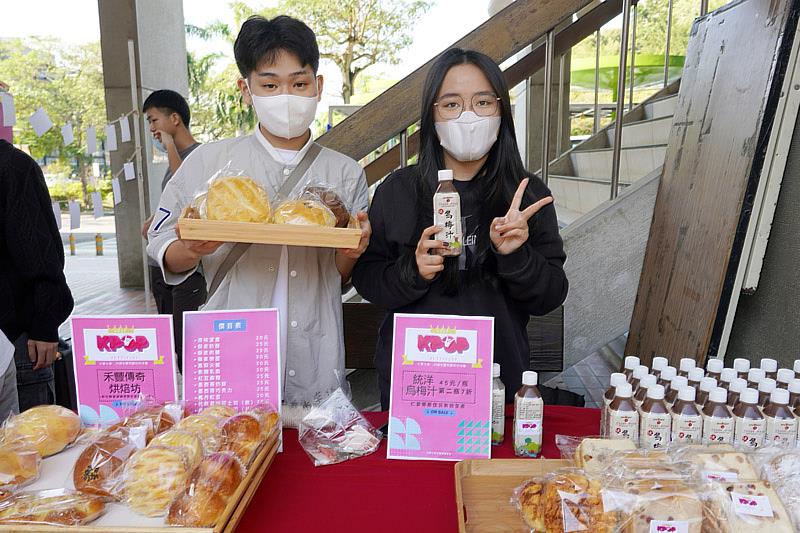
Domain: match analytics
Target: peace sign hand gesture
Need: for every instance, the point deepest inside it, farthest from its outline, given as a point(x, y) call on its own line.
point(510, 232)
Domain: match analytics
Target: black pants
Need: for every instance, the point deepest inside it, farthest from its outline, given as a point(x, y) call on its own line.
point(175, 299)
point(34, 387)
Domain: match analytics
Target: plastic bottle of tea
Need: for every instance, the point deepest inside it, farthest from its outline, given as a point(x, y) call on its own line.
point(447, 215)
point(717, 418)
point(623, 418)
point(528, 417)
point(687, 421)
point(498, 406)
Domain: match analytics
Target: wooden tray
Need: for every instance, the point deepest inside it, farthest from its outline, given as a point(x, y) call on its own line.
point(227, 523)
point(288, 234)
point(484, 488)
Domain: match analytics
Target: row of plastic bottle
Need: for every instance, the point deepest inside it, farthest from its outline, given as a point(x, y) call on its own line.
point(740, 405)
point(528, 413)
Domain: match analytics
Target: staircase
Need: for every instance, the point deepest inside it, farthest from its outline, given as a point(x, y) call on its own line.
point(580, 179)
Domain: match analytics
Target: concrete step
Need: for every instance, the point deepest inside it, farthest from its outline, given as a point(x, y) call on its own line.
point(643, 133)
point(575, 196)
point(663, 107)
point(635, 162)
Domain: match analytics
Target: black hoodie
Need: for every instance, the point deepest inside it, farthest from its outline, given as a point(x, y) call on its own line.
point(529, 281)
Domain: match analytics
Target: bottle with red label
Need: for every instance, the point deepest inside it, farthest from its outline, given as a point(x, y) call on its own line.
point(717, 418)
point(623, 418)
point(687, 421)
point(781, 422)
point(447, 215)
point(528, 416)
point(617, 378)
point(750, 427)
point(655, 420)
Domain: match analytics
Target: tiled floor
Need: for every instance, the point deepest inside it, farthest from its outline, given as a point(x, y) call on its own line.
point(588, 378)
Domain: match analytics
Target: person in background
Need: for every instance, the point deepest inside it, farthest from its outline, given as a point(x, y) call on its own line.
point(278, 60)
point(512, 264)
point(168, 115)
point(34, 297)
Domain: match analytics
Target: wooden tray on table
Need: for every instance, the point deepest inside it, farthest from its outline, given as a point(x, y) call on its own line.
point(237, 505)
point(287, 234)
point(484, 488)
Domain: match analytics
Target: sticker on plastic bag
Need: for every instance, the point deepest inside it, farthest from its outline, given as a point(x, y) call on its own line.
point(669, 526)
point(751, 504)
point(720, 475)
point(569, 512)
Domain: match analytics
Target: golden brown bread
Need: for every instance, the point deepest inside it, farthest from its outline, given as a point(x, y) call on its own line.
point(19, 465)
point(243, 436)
point(332, 202)
point(206, 427)
point(305, 212)
point(185, 440)
point(156, 419)
point(237, 198)
point(99, 466)
point(222, 411)
point(47, 428)
point(154, 476)
point(65, 509)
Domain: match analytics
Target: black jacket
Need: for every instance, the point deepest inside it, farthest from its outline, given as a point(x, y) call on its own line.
point(34, 296)
point(530, 281)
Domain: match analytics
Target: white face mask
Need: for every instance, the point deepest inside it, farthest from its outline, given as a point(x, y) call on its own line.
point(285, 115)
point(469, 137)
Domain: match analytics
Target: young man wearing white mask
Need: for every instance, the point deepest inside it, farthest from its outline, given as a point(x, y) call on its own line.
point(512, 263)
point(278, 61)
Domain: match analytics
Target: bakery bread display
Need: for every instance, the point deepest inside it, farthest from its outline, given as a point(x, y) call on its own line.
point(154, 477)
point(663, 501)
point(243, 437)
point(156, 419)
point(307, 211)
point(56, 507)
point(333, 202)
point(237, 199)
point(211, 486)
point(99, 466)
point(47, 428)
point(185, 440)
point(752, 506)
point(222, 411)
point(593, 455)
point(206, 427)
point(19, 465)
point(725, 466)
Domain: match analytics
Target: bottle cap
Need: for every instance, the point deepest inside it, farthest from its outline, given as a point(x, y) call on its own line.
point(707, 384)
point(687, 394)
point(617, 378)
point(648, 381)
point(530, 378)
point(696, 374)
point(445, 175)
point(728, 375)
point(678, 382)
point(796, 366)
point(631, 362)
point(741, 365)
point(794, 386)
point(640, 371)
point(659, 363)
point(754, 375)
point(738, 385)
point(624, 390)
point(769, 365)
point(715, 365)
point(749, 396)
point(767, 385)
point(780, 396)
point(495, 370)
point(668, 373)
point(718, 395)
point(656, 392)
point(687, 364)
point(785, 375)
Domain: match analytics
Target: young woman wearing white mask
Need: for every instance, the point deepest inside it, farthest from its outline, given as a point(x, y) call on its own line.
point(513, 262)
point(278, 61)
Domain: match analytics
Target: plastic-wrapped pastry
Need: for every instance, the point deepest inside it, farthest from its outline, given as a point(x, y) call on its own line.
point(211, 486)
point(156, 418)
point(153, 478)
point(206, 427)
point(307, 211)
point(48, 428)
point(19, 465)
point(267, 416)
point(57, 507)
point(243, 437)
point(334, 203)
point(237, 198)
point(223, 411)
point(185, 440)
point(100, 465)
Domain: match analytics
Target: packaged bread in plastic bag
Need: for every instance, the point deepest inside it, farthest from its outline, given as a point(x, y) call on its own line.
point(593, 454)
point(782, 471)
point(335, 431)
point(59, 507)
point(565, 500)
point(46, 428)
point(184, 440)
point(748, 507)
point(99, 467)
point(156, 417)
point(208, 427)
point(232, 195)
point(717, 462)
point(246, 433)
point(20, 465)
point(210, 488)
point(153, 478)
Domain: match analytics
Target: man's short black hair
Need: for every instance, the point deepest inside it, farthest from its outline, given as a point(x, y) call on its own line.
point(262, 40)
point(169, 102)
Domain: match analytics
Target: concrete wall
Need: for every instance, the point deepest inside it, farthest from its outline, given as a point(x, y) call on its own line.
point(767, 323)
point(156, 28)
point(605, 249)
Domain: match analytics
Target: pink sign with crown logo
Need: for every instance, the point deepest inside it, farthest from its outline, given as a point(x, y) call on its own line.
point(441, 392)
point(118, 359)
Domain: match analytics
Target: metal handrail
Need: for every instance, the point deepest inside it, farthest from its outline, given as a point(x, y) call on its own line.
point(548, 71)
point(623, 57)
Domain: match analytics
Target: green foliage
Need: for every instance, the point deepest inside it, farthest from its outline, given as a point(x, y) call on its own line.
point(65, 190)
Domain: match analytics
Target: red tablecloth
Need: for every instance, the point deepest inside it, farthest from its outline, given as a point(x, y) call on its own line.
point(375, 494)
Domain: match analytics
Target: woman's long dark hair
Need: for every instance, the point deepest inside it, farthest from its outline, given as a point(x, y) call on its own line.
point(496, 181)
